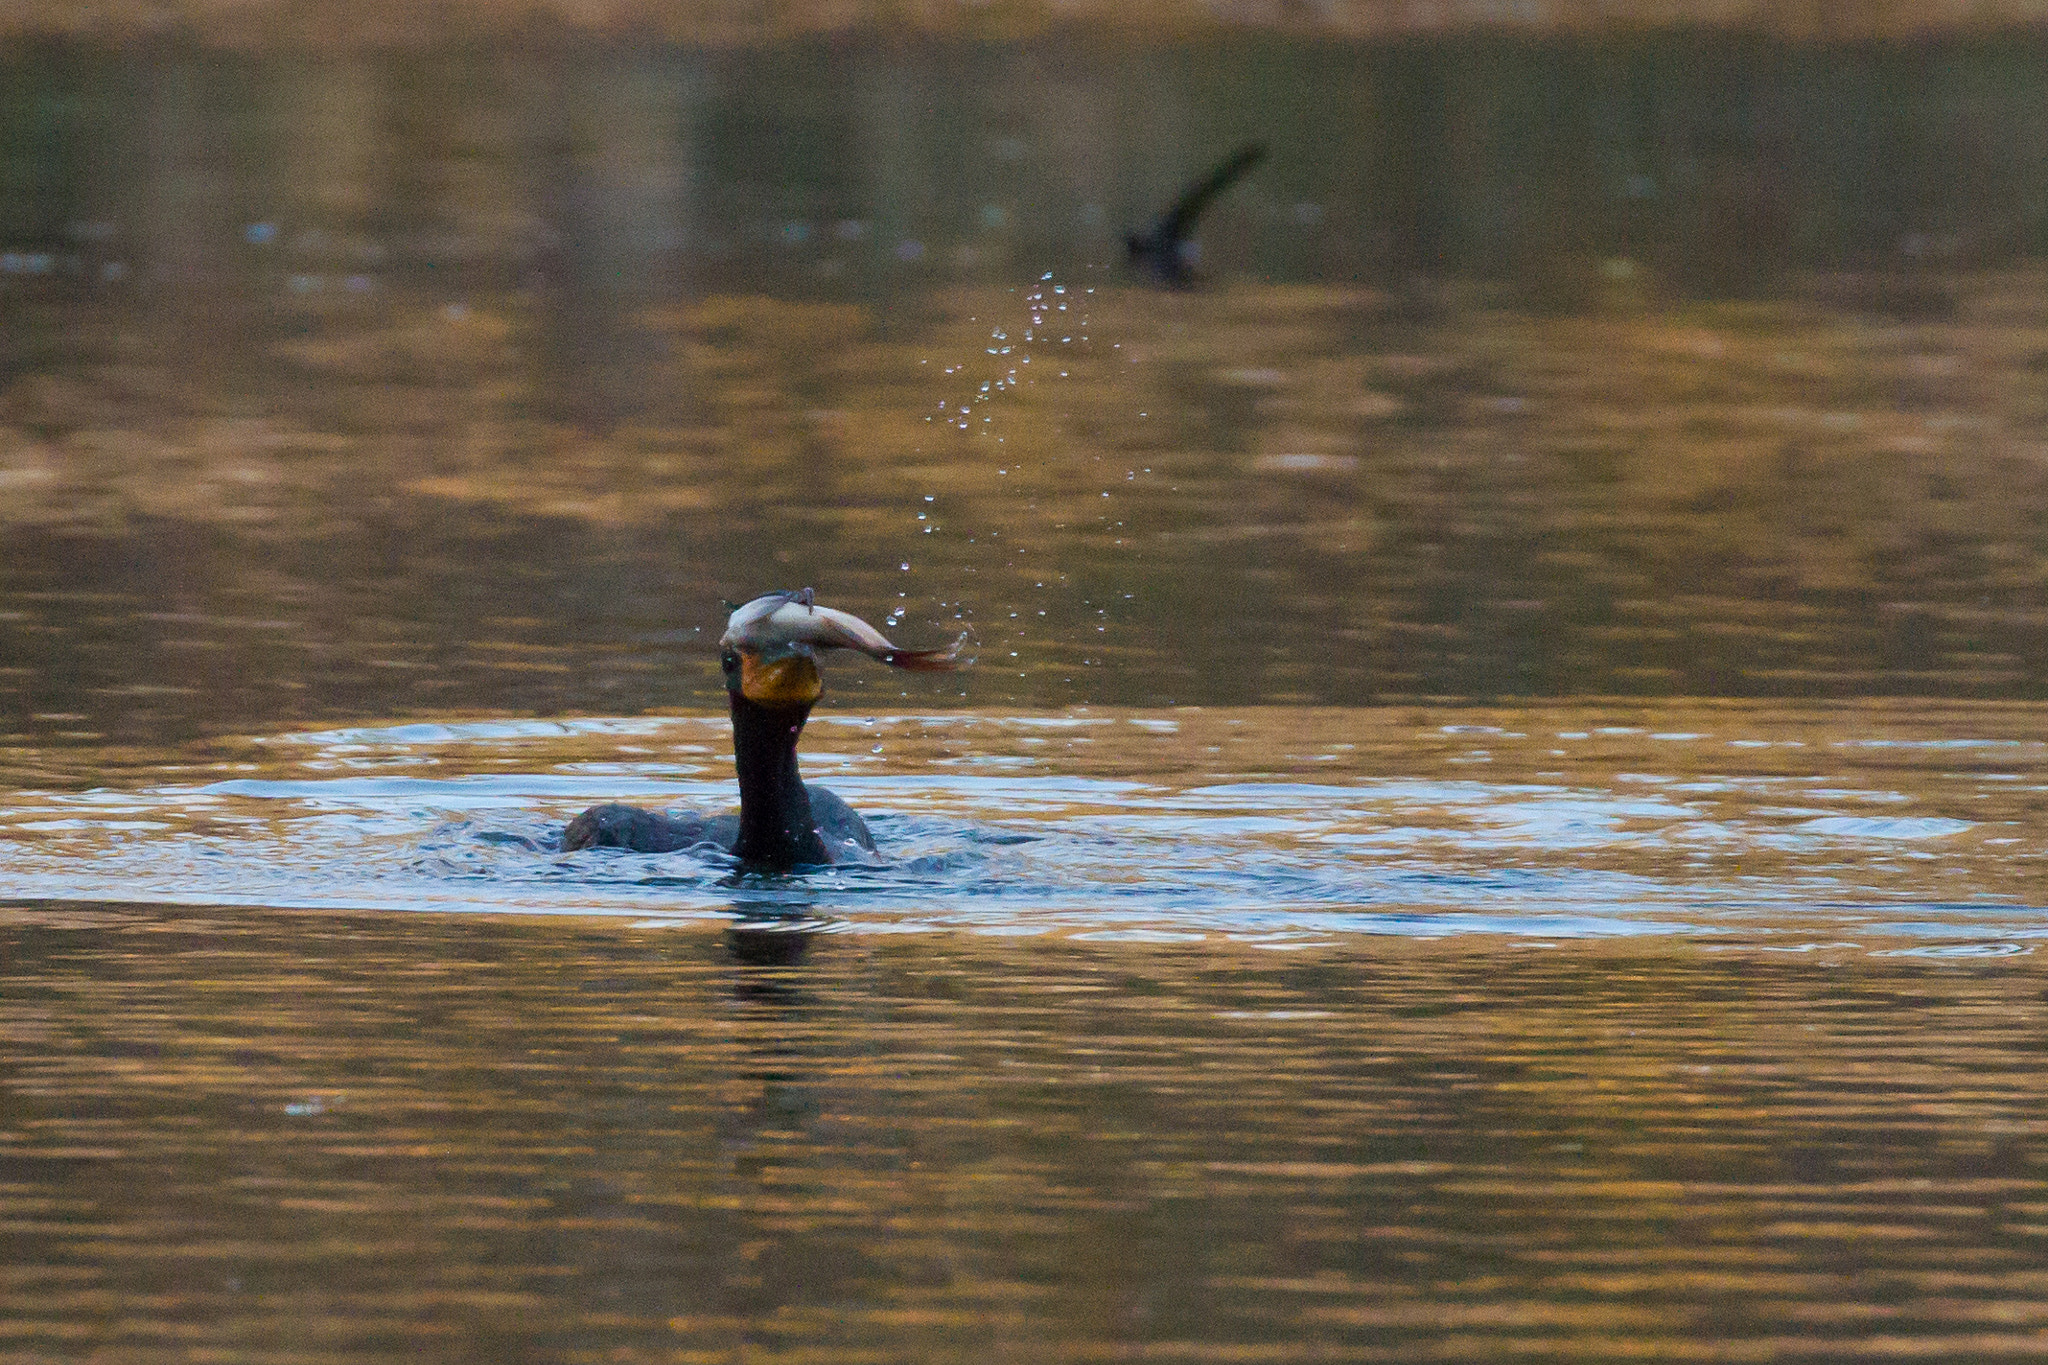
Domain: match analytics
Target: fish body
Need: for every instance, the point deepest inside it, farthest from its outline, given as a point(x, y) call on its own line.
point(778, 625)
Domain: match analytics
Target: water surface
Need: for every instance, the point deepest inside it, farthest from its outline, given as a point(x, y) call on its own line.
point(1683, 1031)
point(1288, 827)
point(278, 1136)
point(1326, 923)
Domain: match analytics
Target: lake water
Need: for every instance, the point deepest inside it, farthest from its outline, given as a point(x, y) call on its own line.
point(1498, 814)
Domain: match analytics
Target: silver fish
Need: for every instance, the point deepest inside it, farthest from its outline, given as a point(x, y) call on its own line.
point(778, 624)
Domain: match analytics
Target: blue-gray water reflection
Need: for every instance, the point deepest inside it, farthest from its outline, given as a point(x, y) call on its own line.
point(1289, 828)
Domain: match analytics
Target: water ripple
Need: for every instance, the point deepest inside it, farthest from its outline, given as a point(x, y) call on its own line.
point(1099, 836)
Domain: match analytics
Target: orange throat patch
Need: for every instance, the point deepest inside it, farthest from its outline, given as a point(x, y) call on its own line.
point(791, 681)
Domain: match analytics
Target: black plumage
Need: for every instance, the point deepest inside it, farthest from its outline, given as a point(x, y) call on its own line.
point(1164, 253)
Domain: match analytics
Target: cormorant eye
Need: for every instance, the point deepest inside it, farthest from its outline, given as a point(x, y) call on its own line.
point(729, 661)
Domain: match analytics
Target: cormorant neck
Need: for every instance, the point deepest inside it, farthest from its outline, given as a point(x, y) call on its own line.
point(776, 829)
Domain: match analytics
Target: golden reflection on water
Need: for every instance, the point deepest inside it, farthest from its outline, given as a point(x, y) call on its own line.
point(302, 1137)
point(1263, 493)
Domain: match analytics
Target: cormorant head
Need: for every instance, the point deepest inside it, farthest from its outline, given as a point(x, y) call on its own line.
point(770, 647)
point(791, 680)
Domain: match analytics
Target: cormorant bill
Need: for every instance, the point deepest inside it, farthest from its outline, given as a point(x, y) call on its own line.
point(769, 654)
point(1164, 254)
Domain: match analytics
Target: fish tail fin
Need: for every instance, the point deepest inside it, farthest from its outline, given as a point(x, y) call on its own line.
point(930, 660)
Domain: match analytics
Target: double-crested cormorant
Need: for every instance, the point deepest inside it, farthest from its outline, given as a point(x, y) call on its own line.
point(769, 654)
point(1164, 252)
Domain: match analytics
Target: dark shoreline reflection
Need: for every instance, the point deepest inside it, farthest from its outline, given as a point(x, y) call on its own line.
point(867, 170)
